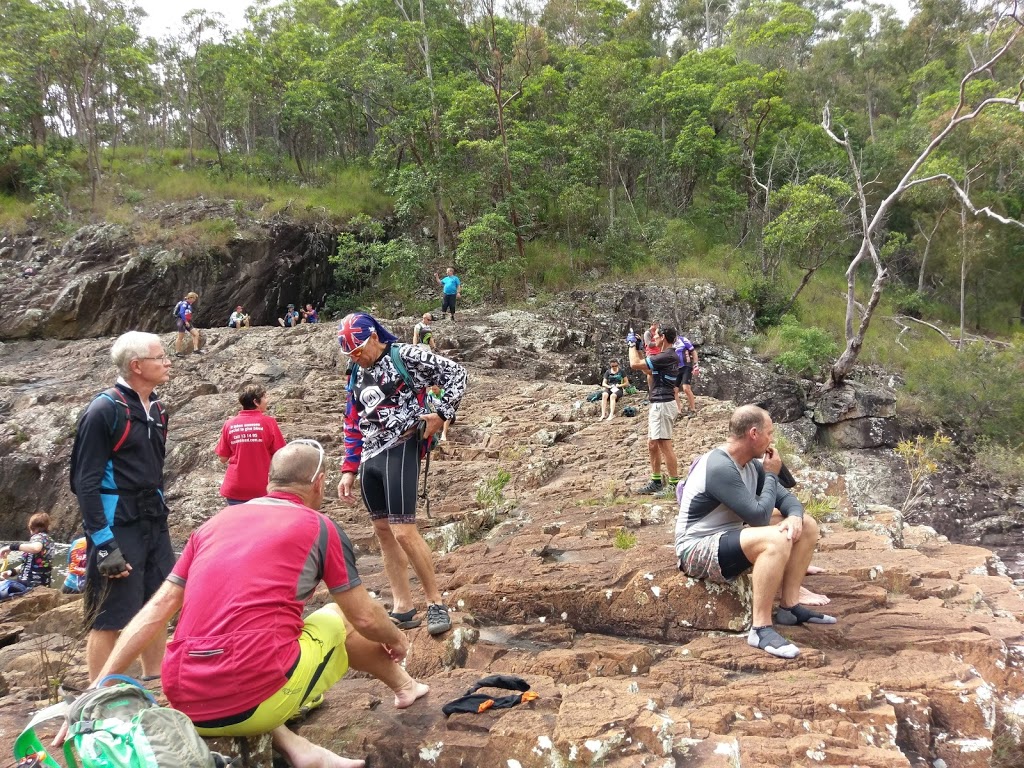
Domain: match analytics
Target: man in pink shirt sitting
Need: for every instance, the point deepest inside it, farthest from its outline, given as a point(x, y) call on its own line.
point(243, 661)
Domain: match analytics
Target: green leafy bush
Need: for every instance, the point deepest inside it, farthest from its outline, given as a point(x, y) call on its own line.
point(977, 387)
point(804, 350)
point(768, 301)
point(907, 302)
point(1003, 464)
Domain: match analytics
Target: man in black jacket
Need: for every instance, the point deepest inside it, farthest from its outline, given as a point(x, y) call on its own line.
point(117, 474)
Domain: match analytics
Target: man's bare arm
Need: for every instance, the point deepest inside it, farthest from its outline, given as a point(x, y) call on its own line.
point(143, 629)
point(369, 617)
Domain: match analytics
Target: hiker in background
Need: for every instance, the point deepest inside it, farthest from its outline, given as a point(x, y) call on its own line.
point(613, 383)
point(247, 443)
point(238, 318)
point(435, 395)
point(422, 332)
point(687, 355)
point(387, 426)
point(451, 288)
point(183, 317)
point(662, 369)
point(291, 318)
point(310, 316)
point(117, 473)
point(37, 565)
point(727, 525)
point(74, 582)
point(278, 664)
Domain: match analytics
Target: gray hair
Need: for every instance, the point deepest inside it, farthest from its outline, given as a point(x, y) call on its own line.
point(293, 466)
point(131, 346)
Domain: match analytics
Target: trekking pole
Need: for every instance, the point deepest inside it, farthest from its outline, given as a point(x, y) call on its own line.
point(426, 468)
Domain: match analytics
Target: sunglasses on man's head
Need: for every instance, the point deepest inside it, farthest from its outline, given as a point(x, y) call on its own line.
point(315, 444)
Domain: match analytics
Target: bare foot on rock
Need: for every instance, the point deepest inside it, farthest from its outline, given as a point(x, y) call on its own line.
point(813, 570)
point(302, 753)
point(812, 598)
point(408, 693)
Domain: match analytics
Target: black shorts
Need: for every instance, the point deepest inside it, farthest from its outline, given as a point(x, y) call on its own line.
point(730, 555)
point(389, 480)
point(111, 603)
point(448, 303)
point(685, 375)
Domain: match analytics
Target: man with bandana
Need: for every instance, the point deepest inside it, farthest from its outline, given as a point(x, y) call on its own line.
point(387, 426)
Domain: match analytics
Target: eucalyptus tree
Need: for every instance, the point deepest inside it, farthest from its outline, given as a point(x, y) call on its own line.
point(94, 50)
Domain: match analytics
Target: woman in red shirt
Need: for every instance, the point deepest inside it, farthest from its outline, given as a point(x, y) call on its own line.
point(247, 441)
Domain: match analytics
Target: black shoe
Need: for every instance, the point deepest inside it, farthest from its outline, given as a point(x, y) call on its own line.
point(652, 486)
point(197, 351)
point(179, 354)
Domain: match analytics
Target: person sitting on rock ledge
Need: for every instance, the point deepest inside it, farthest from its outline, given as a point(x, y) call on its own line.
point(612, 384)
point(243, 661)
point(238, 318)
point(38, 566)
point(727, 525)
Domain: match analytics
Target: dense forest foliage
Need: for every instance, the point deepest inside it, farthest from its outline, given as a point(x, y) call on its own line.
point(548, 143)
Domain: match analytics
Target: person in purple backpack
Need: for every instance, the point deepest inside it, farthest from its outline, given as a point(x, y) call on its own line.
point(687, 355)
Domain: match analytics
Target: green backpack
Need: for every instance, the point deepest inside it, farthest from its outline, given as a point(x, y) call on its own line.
point(120, 726)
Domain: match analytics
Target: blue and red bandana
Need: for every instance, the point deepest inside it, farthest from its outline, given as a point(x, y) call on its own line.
point(356, 329)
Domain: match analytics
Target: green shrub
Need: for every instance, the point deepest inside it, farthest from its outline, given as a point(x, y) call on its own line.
point(999, 463)
point(804, 351)
point(490, 491)
point(907, 302)
point(768, 301)
point(977, 387)
point(624, 539)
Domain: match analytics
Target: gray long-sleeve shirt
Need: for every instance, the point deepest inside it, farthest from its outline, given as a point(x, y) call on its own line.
point(720, 495)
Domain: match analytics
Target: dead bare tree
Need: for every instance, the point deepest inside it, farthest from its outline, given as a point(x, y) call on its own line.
point(871, 224)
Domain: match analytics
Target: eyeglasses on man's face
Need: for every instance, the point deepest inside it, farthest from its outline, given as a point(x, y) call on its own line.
point(160, 358)
point(315, 444)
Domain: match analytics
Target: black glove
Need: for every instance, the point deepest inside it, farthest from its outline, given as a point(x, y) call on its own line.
point(109, 559)
point(14, 546)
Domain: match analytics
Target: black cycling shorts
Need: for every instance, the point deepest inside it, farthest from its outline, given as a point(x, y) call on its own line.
point(730, 555)
point(685, 375)
point(388, 483)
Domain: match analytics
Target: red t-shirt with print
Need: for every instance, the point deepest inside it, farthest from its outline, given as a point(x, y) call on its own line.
point(248, 441)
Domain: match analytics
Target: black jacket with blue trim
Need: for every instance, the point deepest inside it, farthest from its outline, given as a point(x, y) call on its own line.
point(108, 483)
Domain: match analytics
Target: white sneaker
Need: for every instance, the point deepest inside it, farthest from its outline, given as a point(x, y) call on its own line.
point(610, 415)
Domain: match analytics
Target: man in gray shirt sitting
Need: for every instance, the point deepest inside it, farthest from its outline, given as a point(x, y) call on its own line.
point(727, 525)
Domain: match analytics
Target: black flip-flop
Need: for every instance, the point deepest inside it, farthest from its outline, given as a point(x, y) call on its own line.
point(405, 620)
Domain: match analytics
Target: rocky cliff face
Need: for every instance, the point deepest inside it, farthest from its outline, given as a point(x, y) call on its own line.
point(103, 280)
point(564, 577)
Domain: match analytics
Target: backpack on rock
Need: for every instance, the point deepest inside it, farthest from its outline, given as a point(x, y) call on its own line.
point(120, 726)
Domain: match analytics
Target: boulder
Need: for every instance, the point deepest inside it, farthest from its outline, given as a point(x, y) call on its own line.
point(856, 415)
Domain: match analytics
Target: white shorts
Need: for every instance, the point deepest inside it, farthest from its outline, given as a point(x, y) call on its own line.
point(660, 418)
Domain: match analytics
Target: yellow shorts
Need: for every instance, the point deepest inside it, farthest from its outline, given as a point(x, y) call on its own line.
point(322, 662)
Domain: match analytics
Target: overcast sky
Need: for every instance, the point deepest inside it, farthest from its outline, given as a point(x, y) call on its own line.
point(165, 15)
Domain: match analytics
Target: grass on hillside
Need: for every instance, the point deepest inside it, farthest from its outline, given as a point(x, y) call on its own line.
point(134, 177)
